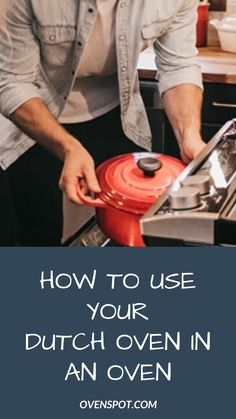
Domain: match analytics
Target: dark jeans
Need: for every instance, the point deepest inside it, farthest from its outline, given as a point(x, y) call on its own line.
point(103, 137)
point(33, 206)
point(31, 214)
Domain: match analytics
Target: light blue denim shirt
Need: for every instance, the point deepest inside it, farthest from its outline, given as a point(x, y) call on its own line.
point(47, 41)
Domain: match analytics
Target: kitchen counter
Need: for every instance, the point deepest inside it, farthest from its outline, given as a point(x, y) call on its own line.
point(217, 66)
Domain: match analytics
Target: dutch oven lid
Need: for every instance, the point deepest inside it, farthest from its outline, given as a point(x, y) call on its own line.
point(133, 182)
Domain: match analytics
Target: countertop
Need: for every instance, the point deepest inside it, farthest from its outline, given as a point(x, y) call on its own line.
point(217, 66)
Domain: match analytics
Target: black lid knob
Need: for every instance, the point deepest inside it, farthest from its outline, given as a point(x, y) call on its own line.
point(149, 165)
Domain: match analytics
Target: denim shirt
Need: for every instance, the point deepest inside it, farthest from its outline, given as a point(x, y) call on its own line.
point(47, 41)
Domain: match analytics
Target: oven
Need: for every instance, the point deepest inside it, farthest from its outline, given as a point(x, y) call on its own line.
point(200, 206)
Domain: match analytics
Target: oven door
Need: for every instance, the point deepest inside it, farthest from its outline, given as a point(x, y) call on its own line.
point(80, 227)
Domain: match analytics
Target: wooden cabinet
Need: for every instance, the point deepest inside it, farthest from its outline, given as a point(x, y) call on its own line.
point(219, 106)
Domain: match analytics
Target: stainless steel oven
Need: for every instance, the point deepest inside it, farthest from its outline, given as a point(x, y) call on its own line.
point(200, 206)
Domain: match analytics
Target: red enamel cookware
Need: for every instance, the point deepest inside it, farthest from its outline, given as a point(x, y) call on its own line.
point(130, 184)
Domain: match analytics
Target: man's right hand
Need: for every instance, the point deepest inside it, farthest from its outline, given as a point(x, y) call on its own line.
point(78, 168)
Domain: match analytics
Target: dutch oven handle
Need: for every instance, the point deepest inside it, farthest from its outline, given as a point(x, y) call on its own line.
point(86, 199)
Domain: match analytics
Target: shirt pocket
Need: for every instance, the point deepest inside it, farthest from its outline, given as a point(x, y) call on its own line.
point(56, 44)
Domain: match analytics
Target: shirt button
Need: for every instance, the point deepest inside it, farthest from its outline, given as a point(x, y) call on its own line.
point(123, 4)
point(122, 38)
point(65, 97)
point(73, 72)
point(79, 43)
point(52, 38)
point(124, 69)
point(90, 10)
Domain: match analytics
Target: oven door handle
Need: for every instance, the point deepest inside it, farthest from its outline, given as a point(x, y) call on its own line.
point(224, 105)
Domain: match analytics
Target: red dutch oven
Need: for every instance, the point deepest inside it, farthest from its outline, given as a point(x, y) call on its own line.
point(130, 184)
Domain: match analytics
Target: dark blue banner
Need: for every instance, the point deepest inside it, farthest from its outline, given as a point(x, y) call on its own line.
point(114, 332)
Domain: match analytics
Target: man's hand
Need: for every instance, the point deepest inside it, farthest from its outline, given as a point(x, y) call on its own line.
point(78, 167)
point(191, 145)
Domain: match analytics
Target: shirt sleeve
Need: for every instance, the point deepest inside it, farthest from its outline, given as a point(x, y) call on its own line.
point(176, 51)
point(19, 58)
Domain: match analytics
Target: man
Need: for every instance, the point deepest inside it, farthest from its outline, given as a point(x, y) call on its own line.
point(76, 61)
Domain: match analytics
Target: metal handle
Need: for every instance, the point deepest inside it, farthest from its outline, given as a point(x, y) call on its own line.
point(224, 105)
point(149, 165)
point(88, 200)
